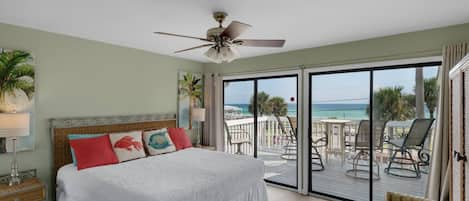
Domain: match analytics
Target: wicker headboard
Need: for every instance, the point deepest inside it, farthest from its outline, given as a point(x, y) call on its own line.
point(61, 128)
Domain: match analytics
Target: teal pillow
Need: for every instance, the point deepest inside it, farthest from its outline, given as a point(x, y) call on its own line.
point(80, 136)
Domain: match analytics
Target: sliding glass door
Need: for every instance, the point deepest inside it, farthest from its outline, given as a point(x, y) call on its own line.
point(239, 117)
point(404, 105)
point(260, 116)
point(339, 103)
point(370, 130)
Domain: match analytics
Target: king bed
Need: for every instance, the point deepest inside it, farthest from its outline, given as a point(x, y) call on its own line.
point(185, 175)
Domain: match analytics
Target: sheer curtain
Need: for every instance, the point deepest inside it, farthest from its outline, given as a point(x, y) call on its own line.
point(213, 127)
point(438, 184)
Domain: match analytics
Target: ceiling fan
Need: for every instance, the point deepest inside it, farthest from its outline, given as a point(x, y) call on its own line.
point(223, 40)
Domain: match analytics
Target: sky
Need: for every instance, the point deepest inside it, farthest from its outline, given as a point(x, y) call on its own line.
point(339, 88)
point(241, 92)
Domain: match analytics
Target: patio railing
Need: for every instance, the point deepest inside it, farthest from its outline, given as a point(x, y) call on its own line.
point(272, 139)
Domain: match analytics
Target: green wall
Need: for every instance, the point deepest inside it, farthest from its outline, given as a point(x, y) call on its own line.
point(76, 77)
point(402, 46)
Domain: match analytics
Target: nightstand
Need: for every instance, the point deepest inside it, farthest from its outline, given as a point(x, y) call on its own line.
point(31, 189)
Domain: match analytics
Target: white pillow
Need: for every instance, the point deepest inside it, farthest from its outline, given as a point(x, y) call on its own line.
point(158, 142)
point(127, 145)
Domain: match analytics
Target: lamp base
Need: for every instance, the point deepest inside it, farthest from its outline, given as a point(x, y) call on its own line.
point(14, 176)
point(14, 181)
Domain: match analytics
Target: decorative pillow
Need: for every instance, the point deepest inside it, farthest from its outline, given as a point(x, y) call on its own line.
point(128, 145)
point(80, 136)
point(179, 137)
point(92, 152)
point(158, 142)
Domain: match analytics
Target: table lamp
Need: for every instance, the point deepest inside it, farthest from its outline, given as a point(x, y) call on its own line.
point(198, 115)
point(13, 125)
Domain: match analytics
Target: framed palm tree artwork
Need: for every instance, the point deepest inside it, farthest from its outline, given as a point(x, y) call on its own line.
point(190, 96)
point(17, 92)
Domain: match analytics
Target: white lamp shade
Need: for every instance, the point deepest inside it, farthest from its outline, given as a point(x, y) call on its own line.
point(198, 114)
point(212, 55)
point(223, 54)
point(14, 124)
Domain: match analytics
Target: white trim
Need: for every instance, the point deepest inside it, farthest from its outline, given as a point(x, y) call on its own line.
point(373, 64)
point(261, 74)
point(299, 149)
point(304, 138)
point(460, 66)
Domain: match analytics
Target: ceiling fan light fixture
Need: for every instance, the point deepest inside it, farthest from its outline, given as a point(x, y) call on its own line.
point(222, 55)
point(224, 40)
point(213, 55)
point(228, 54)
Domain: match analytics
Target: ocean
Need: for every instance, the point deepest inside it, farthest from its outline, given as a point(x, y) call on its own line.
point(321, 111)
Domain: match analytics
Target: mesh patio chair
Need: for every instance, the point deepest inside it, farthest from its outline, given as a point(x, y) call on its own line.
point(291, 146)
point(362, 145)
point(316, 158)
point(349, 134)
point(414, 140)
point(238, 137)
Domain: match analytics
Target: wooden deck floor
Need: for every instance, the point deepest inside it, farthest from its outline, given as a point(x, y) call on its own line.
point(333, 180)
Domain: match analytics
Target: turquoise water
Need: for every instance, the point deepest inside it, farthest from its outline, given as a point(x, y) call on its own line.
point(321, 111)
point(326, 111)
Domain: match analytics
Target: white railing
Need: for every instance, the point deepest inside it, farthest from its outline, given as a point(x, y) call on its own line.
point(272, 139)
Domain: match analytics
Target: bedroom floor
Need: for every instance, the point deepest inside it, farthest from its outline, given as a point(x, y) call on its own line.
point(278, 194)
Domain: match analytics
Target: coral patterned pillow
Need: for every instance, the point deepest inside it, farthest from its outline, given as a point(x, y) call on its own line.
point(158, 142)
point(128, 145)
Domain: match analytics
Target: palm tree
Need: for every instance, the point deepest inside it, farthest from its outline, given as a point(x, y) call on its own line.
point(278, 106)
point(16, 76)
point(262, 103)
point(191, 87)
point(431, 94)
point(391, 104)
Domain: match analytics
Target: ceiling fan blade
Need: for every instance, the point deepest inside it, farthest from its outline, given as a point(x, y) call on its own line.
point(234, 30)
point(260, 43)
point(177, 35)
point(196, 47)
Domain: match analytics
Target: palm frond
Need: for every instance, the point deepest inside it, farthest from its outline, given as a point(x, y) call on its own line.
point(23, 70)
point(14, 67)
point(25, 86)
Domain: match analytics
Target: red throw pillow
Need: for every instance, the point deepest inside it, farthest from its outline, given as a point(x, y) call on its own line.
point(179, 138)
point(92, 152)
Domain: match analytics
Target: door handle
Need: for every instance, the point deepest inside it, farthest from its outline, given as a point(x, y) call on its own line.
point(460, 157)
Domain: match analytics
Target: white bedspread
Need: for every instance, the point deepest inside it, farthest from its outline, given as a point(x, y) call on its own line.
point(186, 175)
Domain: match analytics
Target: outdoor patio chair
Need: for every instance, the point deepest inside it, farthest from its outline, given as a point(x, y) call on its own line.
point(362, 145)
point(316, 158)
point(241, 137)
point(414, 140)
point(349, 134)
point(291, 146)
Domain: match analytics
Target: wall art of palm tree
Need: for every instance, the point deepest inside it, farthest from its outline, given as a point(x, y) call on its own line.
point(190, 96)
point(16, 87)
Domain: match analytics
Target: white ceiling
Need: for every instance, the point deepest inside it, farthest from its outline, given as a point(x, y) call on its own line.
point(303, 23)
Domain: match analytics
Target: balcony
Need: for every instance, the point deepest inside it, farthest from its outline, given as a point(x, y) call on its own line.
point(271, 147)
